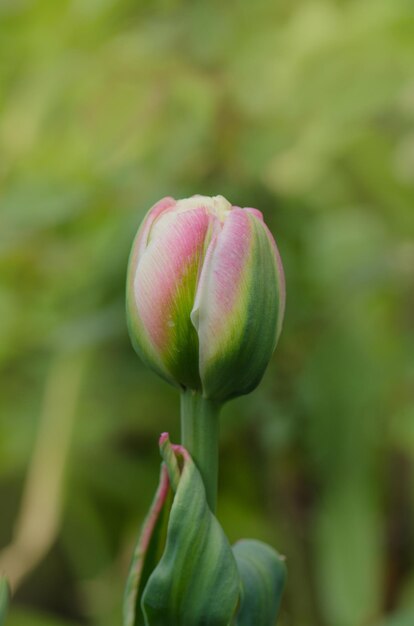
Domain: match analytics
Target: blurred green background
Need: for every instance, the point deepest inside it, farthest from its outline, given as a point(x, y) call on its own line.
point(303, 109)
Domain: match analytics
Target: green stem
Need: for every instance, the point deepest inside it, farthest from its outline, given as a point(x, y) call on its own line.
point(200, 436)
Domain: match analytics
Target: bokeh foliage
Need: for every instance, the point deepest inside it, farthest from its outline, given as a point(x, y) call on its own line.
point(303, 109)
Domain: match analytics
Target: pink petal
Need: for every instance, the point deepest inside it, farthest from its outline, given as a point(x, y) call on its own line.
point(174, 244)
point(221, 278)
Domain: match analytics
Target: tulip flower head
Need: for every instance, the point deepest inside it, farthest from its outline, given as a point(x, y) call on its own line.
point(205, 295)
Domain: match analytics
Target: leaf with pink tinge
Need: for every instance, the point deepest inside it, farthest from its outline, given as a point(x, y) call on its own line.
point(184, 572)
point(148, 550)
point(196, 582)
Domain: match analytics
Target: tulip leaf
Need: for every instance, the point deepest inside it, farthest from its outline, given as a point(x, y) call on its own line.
point(148, 551)
point(263, 573)
point(184, 571)
point(4, 600)
point(196, 581)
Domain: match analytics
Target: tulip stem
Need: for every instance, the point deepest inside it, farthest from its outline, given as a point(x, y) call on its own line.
point(200, 436)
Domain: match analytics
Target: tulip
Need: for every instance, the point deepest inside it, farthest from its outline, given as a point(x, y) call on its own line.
point(205, 305)
point(205, 295)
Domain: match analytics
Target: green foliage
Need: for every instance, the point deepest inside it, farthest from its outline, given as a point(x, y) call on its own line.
point(196, 580)
point(4, 600)
point(183, 570)
point(303, 109)
point(33, 618)
point(148, 552)
point(263, 573)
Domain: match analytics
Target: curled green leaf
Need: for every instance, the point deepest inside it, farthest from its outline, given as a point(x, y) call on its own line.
point(148, 551)
point(184, 572)
point(196, 581)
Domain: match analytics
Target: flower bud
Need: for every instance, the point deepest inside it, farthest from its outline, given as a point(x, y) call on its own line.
point(205, 295)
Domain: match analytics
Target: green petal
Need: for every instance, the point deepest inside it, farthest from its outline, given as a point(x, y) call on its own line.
point(238, 365)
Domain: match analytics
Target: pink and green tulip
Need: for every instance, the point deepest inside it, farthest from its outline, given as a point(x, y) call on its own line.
point(205, 303)
point(205, 295)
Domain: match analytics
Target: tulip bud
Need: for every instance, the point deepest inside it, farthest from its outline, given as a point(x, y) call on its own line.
point(205, 295)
